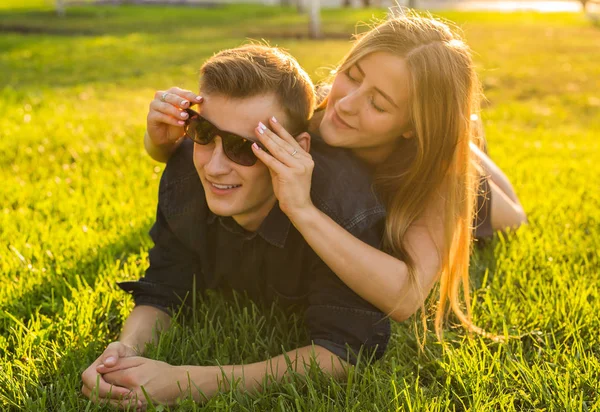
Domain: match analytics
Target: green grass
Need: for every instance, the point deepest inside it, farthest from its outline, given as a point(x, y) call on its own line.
point(78, 196)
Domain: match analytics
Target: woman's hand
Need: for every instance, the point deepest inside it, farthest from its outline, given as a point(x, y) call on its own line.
point(166, 115)
point(290, 165)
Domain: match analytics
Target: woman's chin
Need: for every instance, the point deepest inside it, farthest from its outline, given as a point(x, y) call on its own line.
point(331, 136)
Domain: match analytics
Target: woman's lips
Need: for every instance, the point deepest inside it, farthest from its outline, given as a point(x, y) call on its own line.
point(339, 122)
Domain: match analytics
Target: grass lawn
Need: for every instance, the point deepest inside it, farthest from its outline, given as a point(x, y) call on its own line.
point(78, 196)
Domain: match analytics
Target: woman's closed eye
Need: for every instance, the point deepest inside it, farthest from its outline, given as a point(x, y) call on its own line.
point(350, 77)
point(379, 109)
point(356, 80)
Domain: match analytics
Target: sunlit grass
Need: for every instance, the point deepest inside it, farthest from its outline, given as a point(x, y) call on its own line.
point(79, 194)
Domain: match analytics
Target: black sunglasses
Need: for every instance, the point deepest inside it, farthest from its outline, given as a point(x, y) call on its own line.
point(237, 148)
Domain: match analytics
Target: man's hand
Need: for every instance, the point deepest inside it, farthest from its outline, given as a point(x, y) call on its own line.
point(95, 386)
point(163, 383)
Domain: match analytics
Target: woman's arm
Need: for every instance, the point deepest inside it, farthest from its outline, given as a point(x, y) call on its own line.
point(377, 277)
point(160, 153)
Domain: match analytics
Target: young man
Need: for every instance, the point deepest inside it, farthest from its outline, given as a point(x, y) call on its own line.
point(219, 225)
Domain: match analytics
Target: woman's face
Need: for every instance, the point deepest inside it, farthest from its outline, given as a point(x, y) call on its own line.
point(368, 106)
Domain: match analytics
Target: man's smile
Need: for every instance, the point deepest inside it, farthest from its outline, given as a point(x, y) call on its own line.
point(222, 188)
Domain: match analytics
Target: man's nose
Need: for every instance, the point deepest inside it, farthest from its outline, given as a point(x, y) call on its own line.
point(219, 163)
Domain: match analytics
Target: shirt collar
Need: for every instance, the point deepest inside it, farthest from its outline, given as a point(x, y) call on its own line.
point(210, 217)
point(274, 229)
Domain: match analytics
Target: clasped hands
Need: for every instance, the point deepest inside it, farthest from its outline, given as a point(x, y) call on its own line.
point(122, 379)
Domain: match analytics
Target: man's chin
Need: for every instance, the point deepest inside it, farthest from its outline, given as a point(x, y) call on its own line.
point(220, 209)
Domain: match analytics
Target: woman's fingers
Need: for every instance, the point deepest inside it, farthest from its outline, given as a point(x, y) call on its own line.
point(284, 152)
point(159, 117)
point(179, 101)
point(178, 97)
point(271, 162)
point(168, 109)
point(282, 133)
point(288, 143)
point(191, 97)
point(276, 150)
point(172, 99)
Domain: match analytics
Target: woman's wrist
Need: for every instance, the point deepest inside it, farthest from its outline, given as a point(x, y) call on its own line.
point(303, 218)
point(160, 152)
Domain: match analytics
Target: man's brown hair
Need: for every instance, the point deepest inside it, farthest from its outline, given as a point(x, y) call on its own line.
point(253, 70)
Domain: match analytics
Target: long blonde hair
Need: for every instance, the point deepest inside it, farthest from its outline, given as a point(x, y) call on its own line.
point(445, 91)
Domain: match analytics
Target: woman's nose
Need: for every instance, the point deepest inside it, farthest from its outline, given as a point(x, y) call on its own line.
point(349, 103)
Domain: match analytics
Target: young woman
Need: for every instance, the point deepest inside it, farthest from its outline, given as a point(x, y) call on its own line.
point(403, 101)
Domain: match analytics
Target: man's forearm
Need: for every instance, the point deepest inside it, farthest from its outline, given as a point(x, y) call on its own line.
point(211, 379)
point(143, 325)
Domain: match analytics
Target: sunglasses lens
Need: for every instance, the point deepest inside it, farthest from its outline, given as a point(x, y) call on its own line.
point(199, 130)
point(236, 148)
point(239, 150)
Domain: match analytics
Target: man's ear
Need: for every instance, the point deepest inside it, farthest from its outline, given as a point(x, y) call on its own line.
point(303, 140)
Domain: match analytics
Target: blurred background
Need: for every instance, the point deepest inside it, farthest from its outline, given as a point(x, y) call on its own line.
point(78, 194)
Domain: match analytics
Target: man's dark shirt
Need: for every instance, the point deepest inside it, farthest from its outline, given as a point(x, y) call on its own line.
point(273, 263)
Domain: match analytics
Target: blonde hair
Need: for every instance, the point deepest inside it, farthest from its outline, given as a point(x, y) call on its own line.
point(254, 69)
point(436, 161)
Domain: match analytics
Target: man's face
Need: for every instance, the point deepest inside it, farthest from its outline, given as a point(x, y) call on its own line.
point(242, 192)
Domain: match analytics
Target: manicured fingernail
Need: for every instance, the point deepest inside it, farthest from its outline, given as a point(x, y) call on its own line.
point(260, 130)
point(255, 146)
point(181, 122)
point(110, 360)
point(273, 119)
point(199, 98)
point(262, 126)
point(184, 102)
point(184, 114)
